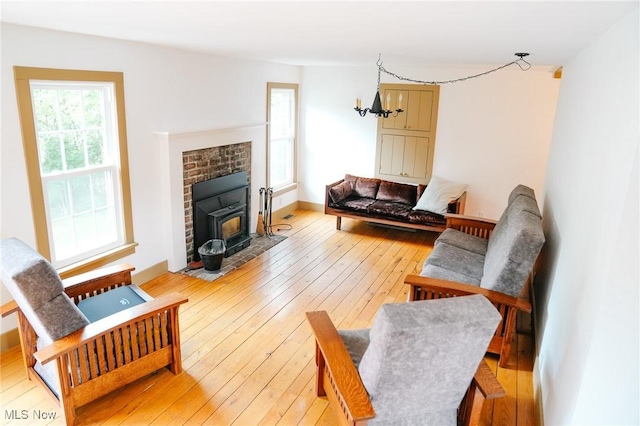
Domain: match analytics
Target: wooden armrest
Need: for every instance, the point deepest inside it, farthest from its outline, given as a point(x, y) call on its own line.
point(9, 308)
point(110, 323)
point(467, 218)
point(343, 371)
point(462, 289)
point(487, 382)
point(471, 224)
point(97, 279)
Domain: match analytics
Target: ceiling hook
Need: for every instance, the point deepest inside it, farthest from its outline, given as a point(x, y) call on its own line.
point(521, 57)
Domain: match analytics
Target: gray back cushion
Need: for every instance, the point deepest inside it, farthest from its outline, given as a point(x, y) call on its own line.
point(513, 247)
point(422, 355)
point(523, 203)
point(521, 190)
point(37, 289)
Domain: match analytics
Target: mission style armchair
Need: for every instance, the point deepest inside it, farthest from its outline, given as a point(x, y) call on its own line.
point(78, 343)
point(481, 256)
point(419, 364)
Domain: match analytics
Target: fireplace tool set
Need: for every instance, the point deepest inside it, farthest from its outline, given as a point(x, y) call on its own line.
point(264, 215)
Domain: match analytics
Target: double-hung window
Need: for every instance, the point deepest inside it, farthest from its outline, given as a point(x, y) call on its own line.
point(282, 118)
point(75, 144)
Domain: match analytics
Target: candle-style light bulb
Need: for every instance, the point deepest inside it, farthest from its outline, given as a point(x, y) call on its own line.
point(388, 101)
point(400, 100)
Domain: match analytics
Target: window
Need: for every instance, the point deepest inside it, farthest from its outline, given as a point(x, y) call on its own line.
point(74, 136)
point(282, 118)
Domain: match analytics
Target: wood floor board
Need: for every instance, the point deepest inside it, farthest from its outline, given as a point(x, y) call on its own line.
point(504, 409)
point(248, 352)
point(11, 362)
point(275, 386)
point(525, 407)
point(307, 408)
point(286, 400)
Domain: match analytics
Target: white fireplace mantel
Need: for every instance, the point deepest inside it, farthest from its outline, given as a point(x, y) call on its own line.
point(172, 145)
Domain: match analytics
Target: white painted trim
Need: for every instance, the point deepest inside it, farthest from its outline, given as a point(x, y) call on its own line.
point(172, 145)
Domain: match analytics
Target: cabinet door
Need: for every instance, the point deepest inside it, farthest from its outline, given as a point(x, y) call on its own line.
point(403, 156)
point(400, 121)
point(420, 110)
point(416, 154)
point(392, 155)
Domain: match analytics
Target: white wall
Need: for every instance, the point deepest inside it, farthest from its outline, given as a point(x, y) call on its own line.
point(165, 90)
point(587, 290)
point(493, 132)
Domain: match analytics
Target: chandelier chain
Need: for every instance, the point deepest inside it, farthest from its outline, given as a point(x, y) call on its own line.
point(399, 77)
point(377, 109)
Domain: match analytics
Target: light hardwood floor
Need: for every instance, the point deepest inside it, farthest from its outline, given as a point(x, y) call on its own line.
point(248, 353)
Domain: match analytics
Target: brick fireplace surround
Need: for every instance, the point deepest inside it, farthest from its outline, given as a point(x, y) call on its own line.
point(175, 200)
point(208, 163)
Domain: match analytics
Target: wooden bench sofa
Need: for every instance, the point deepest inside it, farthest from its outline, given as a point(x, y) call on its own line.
point(384, 202)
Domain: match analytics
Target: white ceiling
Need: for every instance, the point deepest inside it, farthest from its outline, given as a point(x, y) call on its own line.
point(338, 32)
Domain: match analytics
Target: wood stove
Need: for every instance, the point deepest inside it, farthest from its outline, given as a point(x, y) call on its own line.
point(221, 211)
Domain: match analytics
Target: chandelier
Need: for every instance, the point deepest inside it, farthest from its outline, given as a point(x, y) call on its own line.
point(377, 109)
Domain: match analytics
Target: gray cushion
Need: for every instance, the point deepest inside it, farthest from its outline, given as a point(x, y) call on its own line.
point(35, 279)
point(527, 204)
point(521, 190)
point(456, 238)
point(356, 341)
point(447, 274)
point(436, 418)
point(511, 253)
point(423, 355)
point(460, 261)
point(49, 371)
point(38, 291)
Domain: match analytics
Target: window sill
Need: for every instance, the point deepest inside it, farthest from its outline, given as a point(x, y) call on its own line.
point(96, 261)
point(284, 189)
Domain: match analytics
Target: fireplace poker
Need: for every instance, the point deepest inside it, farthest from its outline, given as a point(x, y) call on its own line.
point(270, 198)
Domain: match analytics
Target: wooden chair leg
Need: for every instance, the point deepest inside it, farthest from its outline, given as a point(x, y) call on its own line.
point(484, 386)
point(66, 398)
point(507, 338)
point(320, 363)
point(176, 365)
point(471, 407)
point(27, 342)
point(338, 222)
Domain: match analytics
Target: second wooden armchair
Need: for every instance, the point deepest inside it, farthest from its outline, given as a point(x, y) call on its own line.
point(419, 364)
point(71, 359)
